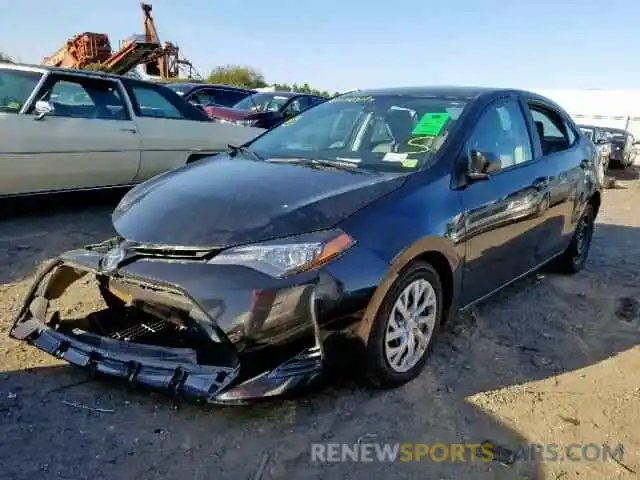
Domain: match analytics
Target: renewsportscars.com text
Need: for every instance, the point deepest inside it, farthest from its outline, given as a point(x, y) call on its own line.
point(463, 452)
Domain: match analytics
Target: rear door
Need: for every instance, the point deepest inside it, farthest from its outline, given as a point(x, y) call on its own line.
point(564, 161)
point(503, 215)
point(170, 132)
point(89, 140)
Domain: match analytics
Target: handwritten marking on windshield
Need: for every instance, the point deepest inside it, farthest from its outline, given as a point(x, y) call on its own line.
point(353, 99)
point(418, 143)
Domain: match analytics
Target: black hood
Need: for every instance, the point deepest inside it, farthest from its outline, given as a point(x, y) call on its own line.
point(225, 201)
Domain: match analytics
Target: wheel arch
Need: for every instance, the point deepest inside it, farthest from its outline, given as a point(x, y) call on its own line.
point(595, 200)
point(442, 254)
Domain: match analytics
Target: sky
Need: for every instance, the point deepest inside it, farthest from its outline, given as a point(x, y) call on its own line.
point(341, 44)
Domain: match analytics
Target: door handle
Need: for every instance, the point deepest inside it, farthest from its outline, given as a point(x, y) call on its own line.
point(541, 183)
point(129, 130)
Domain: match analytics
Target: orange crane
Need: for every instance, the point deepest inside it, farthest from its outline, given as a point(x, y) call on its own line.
point(167, 62)
point(160, 60)
point(81, 51)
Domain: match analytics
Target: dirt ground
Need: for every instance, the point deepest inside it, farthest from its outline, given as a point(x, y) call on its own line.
point(551, 360)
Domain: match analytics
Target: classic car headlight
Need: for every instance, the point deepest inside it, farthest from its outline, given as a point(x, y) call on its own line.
point(279, 258)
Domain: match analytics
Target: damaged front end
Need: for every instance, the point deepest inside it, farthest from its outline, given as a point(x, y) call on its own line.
point(153, 333)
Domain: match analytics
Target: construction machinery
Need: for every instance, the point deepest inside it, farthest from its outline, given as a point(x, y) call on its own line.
point(160, 60)
point(81, 50)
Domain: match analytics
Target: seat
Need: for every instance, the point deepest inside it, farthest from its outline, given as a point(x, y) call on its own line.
point(400, 123)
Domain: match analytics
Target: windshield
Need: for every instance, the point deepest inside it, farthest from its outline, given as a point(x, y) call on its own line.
point(15, 88)
point(381, 132)
point(262, 102)
point(587, 132)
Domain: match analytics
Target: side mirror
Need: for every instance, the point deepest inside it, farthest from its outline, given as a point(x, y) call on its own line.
point(481, 165)
point(43, 108)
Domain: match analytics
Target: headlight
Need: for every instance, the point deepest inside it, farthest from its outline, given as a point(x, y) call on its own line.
point(282, 257)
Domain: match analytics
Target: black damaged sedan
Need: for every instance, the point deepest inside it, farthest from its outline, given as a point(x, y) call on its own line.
point(344, 237)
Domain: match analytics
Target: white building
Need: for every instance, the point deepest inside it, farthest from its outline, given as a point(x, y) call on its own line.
point(606, 108)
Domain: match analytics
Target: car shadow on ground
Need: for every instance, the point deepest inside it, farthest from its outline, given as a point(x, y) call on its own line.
point(629, 174)
point(536, 330)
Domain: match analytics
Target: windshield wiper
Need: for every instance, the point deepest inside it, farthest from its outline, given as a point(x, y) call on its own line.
point(338, 165)
point(235, 149)
point(324, 163)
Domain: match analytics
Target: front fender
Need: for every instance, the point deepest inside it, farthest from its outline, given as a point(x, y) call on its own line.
point(428, 247)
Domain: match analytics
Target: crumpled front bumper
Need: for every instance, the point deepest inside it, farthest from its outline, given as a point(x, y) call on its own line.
point(151, 366)
point(174, 370)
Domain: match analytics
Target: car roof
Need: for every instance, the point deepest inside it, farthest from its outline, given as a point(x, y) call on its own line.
point(284, 93)
point(194, 85)
point(448, 91)
point(72, 71)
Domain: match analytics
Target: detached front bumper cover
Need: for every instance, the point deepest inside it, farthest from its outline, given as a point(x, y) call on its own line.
point(175, 370)
point(155, 367)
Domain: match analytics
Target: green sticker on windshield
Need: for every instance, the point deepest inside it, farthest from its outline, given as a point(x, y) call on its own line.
point(431, 124)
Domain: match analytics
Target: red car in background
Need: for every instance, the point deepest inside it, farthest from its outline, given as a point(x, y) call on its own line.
point(264, 109)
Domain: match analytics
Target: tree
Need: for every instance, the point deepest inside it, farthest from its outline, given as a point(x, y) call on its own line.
point(237, 75)
point(5, 58)
point(304, 88)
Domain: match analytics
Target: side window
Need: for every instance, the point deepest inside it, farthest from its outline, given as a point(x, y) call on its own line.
point(305, 102)
point(552, 130)
point(15, 88)
point(571, 134)
point(229, 98)
point(153, 104)
point(86, 98)
point(500, 135)
point(203, 98)
point(294, 107)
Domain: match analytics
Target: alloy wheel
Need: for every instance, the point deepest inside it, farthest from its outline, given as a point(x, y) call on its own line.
point(410, 325)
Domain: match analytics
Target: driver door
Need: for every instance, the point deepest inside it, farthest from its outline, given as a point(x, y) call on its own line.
point(504, 213)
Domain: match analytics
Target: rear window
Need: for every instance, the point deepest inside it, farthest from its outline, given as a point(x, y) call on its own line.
point(15, 88)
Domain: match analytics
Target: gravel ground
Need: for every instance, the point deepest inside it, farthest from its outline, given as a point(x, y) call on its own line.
point(553, 360)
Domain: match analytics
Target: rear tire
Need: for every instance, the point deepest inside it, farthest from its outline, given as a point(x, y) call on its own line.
point(405, 328)
point(575, 256)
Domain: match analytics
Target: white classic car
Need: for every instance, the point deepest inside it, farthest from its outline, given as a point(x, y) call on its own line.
point(64, 129)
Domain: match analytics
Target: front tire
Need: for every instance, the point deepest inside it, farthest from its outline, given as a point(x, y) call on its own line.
point(404, 328)
point(575, 256)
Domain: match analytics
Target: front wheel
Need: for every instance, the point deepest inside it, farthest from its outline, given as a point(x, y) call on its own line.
point(404, 328)
point(575, 256)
